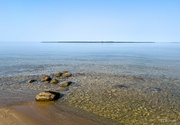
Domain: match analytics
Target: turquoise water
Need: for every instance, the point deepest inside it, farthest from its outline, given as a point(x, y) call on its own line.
point(148, 59)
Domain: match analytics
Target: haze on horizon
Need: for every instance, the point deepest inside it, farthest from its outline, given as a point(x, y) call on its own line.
point(90, 20)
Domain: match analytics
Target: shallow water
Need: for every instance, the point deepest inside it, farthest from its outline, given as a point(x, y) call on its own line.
point(128, 83)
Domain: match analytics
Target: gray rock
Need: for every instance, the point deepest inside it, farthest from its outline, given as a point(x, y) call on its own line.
point(47, 96)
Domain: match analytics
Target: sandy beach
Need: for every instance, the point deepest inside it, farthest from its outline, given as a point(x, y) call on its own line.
point(92, 99)
point(40, 114)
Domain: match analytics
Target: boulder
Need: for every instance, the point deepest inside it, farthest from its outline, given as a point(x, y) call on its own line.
point(47, 96)
point(65, 75)
point(58, 74)
point(65, 83)
point(46, 78)
point(54, 81)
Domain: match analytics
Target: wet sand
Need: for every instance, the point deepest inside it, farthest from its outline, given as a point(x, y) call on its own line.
point(93, 98)
point(40, 114)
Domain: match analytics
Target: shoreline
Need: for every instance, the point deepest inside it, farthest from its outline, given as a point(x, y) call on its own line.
point(122, 99)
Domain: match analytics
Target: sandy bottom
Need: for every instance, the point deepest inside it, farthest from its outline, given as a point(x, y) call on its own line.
point(93, 98)
point(40, 114)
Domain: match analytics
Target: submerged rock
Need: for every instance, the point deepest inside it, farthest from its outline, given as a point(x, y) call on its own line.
point(120, 86)
point(46, 78)
point(66, 75)
point(31, 81)
point(47, 96)
point(58, 74)
point(54, 81)
point(65, 71)
point(156, 89)
point(65, 83)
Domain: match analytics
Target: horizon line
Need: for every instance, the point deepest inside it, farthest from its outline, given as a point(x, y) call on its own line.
point(95, 42)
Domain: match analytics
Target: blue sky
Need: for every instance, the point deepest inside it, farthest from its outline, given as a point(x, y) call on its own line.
point(118, 20)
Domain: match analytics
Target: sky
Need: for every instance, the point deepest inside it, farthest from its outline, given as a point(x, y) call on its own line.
point(90, 20)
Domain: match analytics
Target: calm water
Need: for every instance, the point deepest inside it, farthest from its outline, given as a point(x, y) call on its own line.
point(148, 59)
point(151, 96)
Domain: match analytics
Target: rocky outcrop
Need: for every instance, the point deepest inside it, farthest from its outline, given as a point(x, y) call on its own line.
point(47, 96)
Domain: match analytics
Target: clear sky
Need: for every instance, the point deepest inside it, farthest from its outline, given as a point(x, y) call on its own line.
point(118, 20)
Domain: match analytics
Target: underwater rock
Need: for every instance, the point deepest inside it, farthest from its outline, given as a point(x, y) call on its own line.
point(58, 74)
point(47, 96)
point(54, 81)
point(120, 86)
point(65, 83)
point(156, 89)
point(65, 71)
point(65, 75)
point(31, 81)
point(45, 78)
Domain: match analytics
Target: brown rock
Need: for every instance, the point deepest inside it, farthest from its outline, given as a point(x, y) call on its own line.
point(54, 81)
point(65, 75)
point(46, 78)
point(65, 71)
point(47, 96)
point(58, 74)
point(31, 81)
point(65, 83)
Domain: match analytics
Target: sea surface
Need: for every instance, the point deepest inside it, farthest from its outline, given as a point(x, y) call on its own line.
point(144, 59)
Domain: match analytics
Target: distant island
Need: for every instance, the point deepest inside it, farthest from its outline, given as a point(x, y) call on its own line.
point(93, 42)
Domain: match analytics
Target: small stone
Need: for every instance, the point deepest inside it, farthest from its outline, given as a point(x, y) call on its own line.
point(54, 81)
point(31, 81)
point(58, 74)
point(65, 75)
point(47, 96)
point(65, 83)
point(46, 78)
